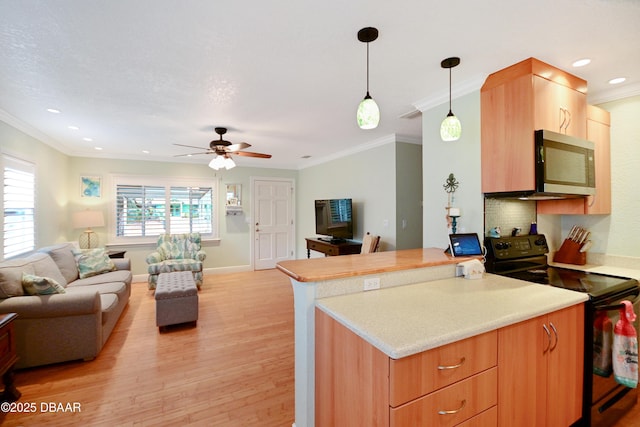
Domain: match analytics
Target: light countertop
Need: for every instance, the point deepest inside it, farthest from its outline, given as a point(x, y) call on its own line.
point(337, 267)
point(406, 320)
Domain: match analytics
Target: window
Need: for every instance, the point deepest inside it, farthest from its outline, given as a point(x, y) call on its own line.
point(18, 207)
point(149, 209)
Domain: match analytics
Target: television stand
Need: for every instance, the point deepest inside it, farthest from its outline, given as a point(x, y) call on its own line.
point(331, 248)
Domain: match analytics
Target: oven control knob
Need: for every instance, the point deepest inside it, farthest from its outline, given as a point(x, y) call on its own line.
point(502, 245)
point(541, 241)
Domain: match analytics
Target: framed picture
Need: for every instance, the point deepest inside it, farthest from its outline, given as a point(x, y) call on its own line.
point(90, 186)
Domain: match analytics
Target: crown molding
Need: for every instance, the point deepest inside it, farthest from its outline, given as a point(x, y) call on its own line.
point(614, 94)
point(461, 89)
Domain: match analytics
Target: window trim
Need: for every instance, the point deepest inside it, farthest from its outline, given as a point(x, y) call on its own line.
point(167, 183)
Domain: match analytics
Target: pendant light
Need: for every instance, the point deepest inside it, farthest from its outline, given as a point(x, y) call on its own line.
point(368, 114)
point(450, 129)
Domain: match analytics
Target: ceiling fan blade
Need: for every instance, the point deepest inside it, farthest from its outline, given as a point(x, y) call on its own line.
point(190, 146)
point(237, 147)
point(250, 154)
point(193, 154)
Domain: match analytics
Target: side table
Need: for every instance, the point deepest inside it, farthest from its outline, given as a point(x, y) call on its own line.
point(115, 254)
point(8, 357)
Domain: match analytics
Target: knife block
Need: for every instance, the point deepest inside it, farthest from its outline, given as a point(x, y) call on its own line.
point(569, 253)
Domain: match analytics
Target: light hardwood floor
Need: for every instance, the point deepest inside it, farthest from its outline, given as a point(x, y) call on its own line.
point(235, 368)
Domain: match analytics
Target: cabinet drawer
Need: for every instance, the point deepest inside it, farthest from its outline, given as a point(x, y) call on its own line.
point(423, 373)
point(488, 418)
point(462, 400)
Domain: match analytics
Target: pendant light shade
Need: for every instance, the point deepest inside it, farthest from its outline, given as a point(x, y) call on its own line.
point(450, 129)
point(368, 115)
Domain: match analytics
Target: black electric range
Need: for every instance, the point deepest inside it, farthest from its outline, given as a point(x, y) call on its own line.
point(525, 258)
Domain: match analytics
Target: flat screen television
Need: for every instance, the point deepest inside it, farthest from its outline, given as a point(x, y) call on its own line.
point(334, 219)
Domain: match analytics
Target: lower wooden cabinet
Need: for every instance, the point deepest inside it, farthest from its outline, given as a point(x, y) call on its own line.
point(541, 370)
point(515, 376)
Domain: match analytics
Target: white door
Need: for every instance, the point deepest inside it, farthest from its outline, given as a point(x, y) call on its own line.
point(272, 222)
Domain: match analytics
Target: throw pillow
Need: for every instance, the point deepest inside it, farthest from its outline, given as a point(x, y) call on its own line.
point(92, 262)
point(36, 285)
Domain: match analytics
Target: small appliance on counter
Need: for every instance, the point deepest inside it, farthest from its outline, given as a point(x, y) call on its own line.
point(525, 258)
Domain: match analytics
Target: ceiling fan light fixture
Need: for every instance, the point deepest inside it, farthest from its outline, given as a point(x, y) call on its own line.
point(217, 162)
point(229, 163)
point(451, 128)
point(368, 114)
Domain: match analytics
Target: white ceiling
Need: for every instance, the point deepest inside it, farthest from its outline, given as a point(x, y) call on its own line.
point(284, 76)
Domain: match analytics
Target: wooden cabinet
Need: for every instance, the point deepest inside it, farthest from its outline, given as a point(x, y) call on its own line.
point(541, 370)
point(515, 102)
point(357, 384)
point(598, 132)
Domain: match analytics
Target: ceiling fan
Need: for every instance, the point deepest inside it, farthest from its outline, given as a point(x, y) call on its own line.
point(224, 150)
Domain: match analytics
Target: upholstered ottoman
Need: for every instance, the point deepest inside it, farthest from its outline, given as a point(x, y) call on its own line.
point(176, 298)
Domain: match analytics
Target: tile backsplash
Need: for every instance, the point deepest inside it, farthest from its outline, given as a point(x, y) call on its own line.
point(509, 214)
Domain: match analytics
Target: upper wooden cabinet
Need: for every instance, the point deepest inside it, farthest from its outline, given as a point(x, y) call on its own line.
point(515, 102)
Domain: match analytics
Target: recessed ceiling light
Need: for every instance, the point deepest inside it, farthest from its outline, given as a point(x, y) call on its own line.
point(73, 127)
point(581, 62)
point(53, 110)
point(145, 151)
point(98, 148)
point(87, 139)
point(617, 80)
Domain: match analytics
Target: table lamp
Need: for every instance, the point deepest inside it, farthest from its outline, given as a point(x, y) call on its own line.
point(87, 219)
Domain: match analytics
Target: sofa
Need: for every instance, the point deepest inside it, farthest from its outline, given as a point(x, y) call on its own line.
point(69, 324)
point(176, 252)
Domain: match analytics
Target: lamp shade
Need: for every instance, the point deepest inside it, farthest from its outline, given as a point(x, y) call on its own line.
point(450, 129)
point(368, 114)
point(87, 219)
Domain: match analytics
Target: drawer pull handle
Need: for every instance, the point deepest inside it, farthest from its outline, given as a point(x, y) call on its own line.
point(455, 411)
point(444, 368)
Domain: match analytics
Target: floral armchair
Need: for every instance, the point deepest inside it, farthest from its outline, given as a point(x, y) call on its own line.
point(176, 252)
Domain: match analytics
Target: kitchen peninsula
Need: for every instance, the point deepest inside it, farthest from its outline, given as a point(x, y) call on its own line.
point(421, 305)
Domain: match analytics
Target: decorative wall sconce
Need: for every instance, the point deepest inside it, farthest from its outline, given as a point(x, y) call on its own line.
point(450, 129)
point(368, 115)
point(450, 186)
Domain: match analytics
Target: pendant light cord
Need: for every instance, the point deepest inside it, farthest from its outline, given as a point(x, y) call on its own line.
point(367, 68)
point(450, 91)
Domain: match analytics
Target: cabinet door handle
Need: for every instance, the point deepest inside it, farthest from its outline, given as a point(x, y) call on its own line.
point(455, 411)
point(555, 332)
point(548, 337)
point(563, 118)
point(444, 368)
point(568, 113)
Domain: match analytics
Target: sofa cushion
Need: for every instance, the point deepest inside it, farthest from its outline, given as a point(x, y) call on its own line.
point(117, 288)
point(171, 265)
point(62, 255)
point(111, 276)
point(44, 266)
point(36, 285)
point(11, 277)
point(92, 262)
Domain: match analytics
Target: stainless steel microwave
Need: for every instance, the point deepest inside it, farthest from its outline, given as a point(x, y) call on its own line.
point(565, 165)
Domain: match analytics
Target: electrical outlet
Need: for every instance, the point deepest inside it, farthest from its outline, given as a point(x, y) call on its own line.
point(371, 284)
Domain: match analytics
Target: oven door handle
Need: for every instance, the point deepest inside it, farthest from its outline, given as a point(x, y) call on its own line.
point(617, 306)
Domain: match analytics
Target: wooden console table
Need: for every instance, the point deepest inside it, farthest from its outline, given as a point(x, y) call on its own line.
point(8, 357)
point(348, 247)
